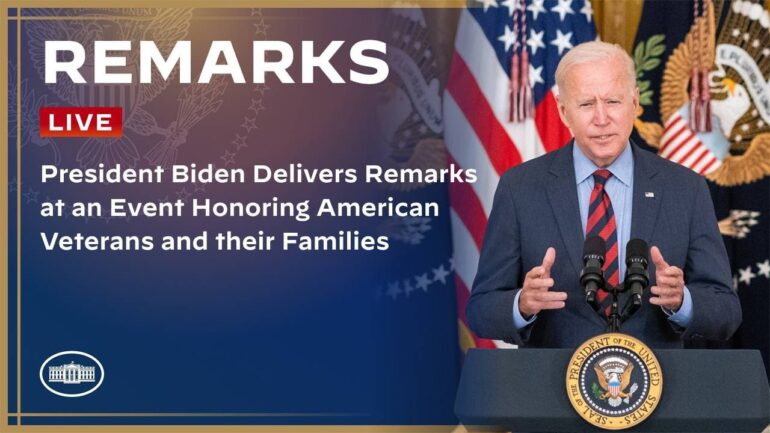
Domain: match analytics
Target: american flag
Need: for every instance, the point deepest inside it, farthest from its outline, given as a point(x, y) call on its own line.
point(477, 103)
point(684, 146)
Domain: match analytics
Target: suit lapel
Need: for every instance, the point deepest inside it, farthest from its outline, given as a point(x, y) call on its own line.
point(648, 195)
point(562, 195)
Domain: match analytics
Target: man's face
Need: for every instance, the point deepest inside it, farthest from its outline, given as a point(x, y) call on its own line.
point(598, 104)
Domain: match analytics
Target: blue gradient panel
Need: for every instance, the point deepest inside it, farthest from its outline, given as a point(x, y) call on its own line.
point(230, 337)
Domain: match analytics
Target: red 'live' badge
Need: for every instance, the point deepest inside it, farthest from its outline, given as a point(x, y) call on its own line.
point(104, 122)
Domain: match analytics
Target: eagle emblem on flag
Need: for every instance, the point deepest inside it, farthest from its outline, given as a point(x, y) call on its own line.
point(409, 114)
point(165, 27)
point(735, 148)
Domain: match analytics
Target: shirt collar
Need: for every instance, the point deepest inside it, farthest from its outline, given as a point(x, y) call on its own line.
point(622, 168)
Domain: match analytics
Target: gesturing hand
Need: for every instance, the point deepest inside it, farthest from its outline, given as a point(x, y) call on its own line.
point(535, 294)
point(669, 291)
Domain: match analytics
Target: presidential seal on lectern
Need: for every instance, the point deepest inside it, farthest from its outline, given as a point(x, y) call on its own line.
point(614, 381)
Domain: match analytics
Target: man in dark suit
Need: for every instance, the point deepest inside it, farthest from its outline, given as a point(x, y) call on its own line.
point(527, 288)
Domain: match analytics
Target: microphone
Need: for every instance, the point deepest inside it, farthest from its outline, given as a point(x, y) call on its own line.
point(637, 276)
point(591, 277)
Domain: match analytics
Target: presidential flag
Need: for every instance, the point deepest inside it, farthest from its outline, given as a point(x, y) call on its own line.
point(498, 47)
point(729, 44)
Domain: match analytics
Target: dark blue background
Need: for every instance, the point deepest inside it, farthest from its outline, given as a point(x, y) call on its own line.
point(311, 338)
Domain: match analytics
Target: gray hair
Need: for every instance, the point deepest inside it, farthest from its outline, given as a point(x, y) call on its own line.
point(595, 51)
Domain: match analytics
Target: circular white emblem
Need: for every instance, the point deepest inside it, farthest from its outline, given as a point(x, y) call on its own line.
point(71, 373)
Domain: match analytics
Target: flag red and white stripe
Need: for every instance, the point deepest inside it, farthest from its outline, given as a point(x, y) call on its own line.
point(477, 131)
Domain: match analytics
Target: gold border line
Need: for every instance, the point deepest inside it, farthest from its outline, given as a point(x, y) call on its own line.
point(179, 414)
point(18, 214)
point(4, 129)
point(125, 18)
point(241, 428)
point(4, 196)
point(240, 4)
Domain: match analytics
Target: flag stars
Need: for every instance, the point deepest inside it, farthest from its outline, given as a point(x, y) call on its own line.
point(746, 275)
point(562, 41)
point(228, 158)
point(393, 290)
point(564, 8)
point(31, 196)
point(488, 3)
point(256, 106)
point(440, 274)
point(536, 8)
point(735, 33)
point(417, 283)
point(587, 10)
point(260, 28)
point(535, 75)
point(408, 288)
point(766, 52)
point(535, 41)
point(511, 5)
point(239, 142)
point(755, 43)
point(764, 268)
point(422, 282)
point(249, 124)
point(509, 38)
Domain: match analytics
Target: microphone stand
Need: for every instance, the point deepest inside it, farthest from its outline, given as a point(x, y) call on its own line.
point(613, 320)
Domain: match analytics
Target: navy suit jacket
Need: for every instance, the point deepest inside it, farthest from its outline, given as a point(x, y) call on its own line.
point(536, 207)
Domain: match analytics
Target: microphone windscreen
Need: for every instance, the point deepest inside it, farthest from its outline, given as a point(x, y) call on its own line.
point(594, 245)
point(637, 248)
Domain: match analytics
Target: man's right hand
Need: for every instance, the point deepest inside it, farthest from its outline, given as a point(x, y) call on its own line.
point(535, 295)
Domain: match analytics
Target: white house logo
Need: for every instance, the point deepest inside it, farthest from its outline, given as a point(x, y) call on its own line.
point(71, 374)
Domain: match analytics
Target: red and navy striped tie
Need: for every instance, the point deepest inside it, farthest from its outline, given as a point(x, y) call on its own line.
point(601, 222)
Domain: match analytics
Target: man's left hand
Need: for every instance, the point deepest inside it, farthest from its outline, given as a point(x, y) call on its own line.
point(669, 291)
